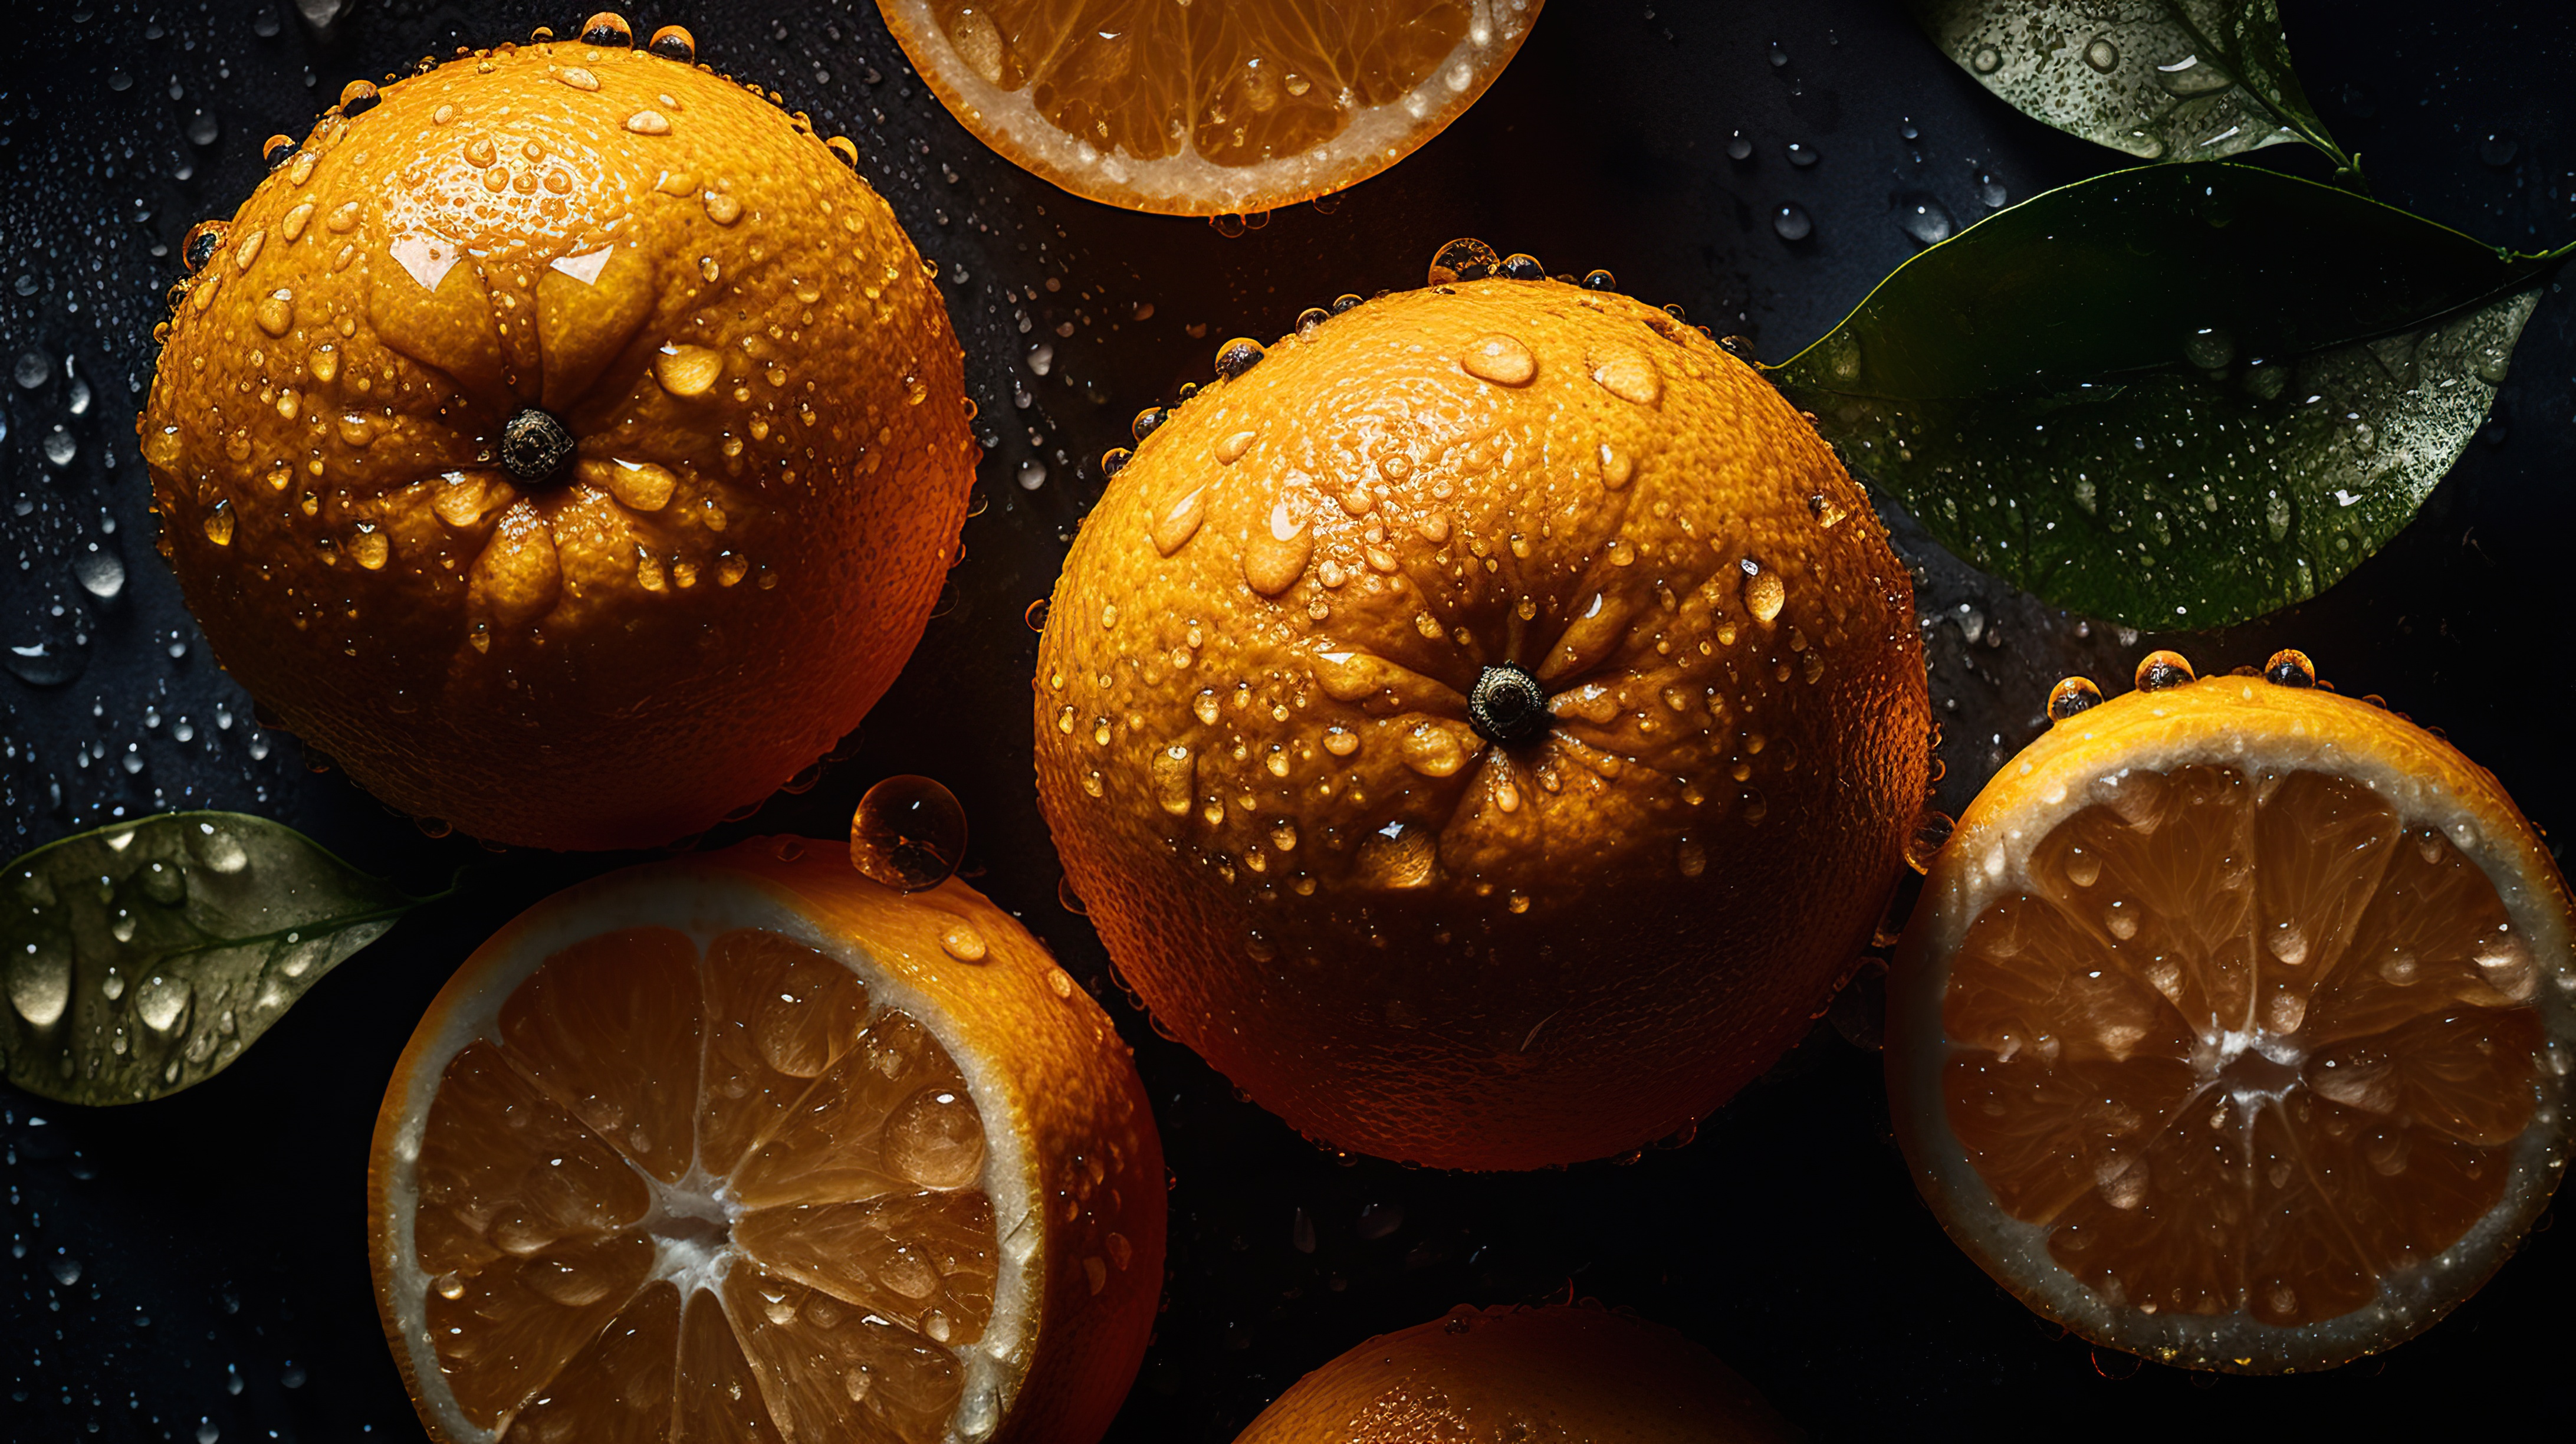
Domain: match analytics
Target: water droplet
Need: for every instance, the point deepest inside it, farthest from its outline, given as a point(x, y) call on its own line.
point(2498, 150)
point(2071, 696)
point(100, 572)
point(2158, 671)
point(722, 209)
point(35, 368)
point(65, 1269)
point(1628, 374)
point(1739, 146)
point(609, 31)
point(1922, 216)
point(1522, 266)
point(1932, 828)
point(275, 312)
point(40, 985)
point(219, 524)
point(909, 833)
point(357, 97)
point(2209, 348)
point(1147, 422)
point(673, 42)
point(1501, 359)
point(2192, 76)
point(1397, 856)
point(1230, 448)
point(963, 943)
point(1032, 474)
point(1801, 154)
point(2290, 667)
point(1275, 555)
point(581, 79)
point(1986, 61)
point(1237, 356)
point(1464, 259)
point(934, 1139)
point(687, 371)
point(1792, 222)
point(160, 1001)
point(1764, 594)
point(654, 122)
point(2102, 55)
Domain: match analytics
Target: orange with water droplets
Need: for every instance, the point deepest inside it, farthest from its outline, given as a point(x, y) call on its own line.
point(559, 418)
point(1570, 1372)
point(1221, 109)
point(2234, 1025)
point(746, 1146)
point(1486, 727)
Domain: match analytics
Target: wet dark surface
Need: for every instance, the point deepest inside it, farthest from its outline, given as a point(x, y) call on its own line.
point(195, 1268)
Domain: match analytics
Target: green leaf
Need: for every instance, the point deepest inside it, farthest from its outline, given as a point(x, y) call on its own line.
point(2160, 79)
point(2177, 396)
point(142, 958)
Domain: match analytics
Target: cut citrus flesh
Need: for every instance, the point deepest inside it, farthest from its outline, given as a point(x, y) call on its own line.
point(1567, 1372)
point(2233, 1029)
point(672, 1160)
point(1213, 109)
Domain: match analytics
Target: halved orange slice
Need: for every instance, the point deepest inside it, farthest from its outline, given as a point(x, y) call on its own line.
point(1225, 107)
point(2234, 1025)
point(747, 1146)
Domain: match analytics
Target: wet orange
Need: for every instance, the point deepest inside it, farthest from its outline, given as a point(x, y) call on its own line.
point(564, 440)
point(2234, 1026)
point(1231, 108)
point(749, 1147)
point(1485, 728)
point(1569, 1373)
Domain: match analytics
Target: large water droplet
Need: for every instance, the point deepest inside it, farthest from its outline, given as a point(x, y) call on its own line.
point(1792, 222)
point(1464, 259)
point(1922, 216)
point(934, 1139)
point(908, 833)
point(2071, 697)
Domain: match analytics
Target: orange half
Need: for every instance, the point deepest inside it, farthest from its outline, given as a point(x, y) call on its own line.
point(2234, 1026)
point(1226, 107)
point(749, 1147)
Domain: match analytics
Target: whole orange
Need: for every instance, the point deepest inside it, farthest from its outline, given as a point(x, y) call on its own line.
point(563, 439)
point(1487, 726)
point(1565, 1373)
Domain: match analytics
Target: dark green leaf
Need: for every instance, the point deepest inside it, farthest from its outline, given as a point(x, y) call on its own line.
point(2174, 396)
point(2159, 79)
point(142, 958)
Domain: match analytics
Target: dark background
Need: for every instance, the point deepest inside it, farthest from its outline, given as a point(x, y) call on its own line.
point(195, 1268)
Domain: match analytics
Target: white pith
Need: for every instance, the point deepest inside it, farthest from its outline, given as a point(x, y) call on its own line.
point(1984, 861)
point(703, 904)
point(1188, 183)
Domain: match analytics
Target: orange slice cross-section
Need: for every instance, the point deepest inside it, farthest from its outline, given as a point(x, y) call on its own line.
point(2234, 1027)
point(749, 1147)
point(1221, 108)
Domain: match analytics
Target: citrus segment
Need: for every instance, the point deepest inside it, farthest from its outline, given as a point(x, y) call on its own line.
point(1217, 109)
point(553, 417)
point(685, 1153)
point(2245, 1009)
